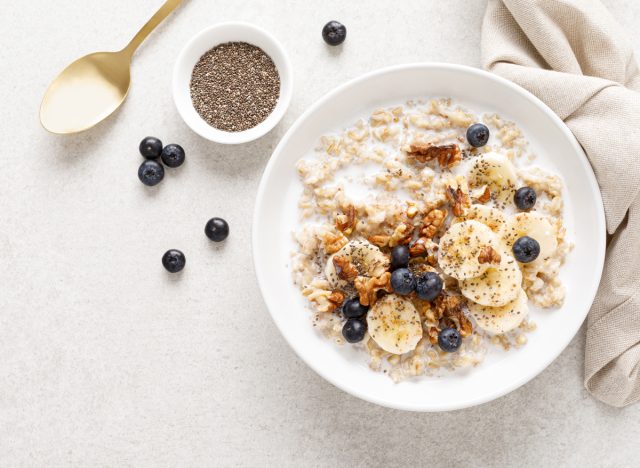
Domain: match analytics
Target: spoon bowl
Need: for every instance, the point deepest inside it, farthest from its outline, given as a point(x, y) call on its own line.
point(86, 92)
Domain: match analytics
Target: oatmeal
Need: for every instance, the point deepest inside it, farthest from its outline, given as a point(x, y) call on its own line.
point(413, 243)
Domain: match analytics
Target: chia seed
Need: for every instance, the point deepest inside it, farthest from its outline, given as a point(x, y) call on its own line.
point(235, 86)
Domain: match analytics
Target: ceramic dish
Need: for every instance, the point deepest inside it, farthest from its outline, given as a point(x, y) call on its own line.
point(206, 40)
point(276, 217)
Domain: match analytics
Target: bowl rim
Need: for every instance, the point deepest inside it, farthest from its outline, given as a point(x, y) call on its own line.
point(598, 213)
point(284, 100)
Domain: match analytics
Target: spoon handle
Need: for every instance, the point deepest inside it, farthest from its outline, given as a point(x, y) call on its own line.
point(164, 11)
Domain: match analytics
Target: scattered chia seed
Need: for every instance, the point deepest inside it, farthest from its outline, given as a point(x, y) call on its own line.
point(235, 86)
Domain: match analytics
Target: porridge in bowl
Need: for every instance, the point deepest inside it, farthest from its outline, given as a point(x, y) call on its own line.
point(426, 231)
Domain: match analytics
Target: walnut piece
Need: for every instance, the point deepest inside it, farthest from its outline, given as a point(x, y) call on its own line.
point(418, 248)
point(432, 333)
point(346, 222)
point(379, 240)
point(423, 307)
point(402, 235)
point(423, 247)
point(444, 303)
point(344, 268)
point(333, 242)
point(412, 211)
point(489, 255)
point(459, 321)
point(459, 200)
point(447, 155)
point(485, 196)
point(336, 298)
point(433, 222)
point(421, 152)
point(368, 287)
point(451, 310)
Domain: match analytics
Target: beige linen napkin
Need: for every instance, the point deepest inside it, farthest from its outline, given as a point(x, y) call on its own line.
point(575, 58)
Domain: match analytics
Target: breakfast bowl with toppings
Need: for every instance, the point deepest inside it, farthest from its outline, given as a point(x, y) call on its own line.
point(427, 253)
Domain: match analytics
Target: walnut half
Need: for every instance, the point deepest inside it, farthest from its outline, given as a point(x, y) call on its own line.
point(447, 155)
point(432, 223)
point(368, 287)
point(344, 268)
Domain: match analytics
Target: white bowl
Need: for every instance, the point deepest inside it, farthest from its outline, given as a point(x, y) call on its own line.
point(196, 48)
point(276, 216)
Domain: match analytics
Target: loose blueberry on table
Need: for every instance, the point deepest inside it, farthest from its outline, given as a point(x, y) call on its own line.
point(428, 286)
point(399, 257)
point(173, 260)
point(150, 172)
point(478, 135)
point(353, 309)
point(217, 229)
point(354, 330)
point(525, 198)
point(172, 155)
point(334, 33)
point(526, 249)
point(151, 147)
point(403, 282)
point(449, 339)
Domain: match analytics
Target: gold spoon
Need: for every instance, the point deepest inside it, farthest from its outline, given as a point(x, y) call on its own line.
point(92, 87)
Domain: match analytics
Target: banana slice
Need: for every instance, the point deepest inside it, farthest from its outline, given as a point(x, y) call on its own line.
point(497, 286)
point(366, 257)
point(394, 324)
point(499, 320)
point(460, 246)
point(497, 172)
point(534, 225)
point(491, 217)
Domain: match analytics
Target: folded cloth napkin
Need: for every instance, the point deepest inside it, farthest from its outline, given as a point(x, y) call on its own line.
point(575, 57)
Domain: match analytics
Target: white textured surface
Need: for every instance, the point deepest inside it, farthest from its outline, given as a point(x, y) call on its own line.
point(106, 360)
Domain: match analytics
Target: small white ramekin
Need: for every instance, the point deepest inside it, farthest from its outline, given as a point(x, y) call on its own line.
point(204, 41)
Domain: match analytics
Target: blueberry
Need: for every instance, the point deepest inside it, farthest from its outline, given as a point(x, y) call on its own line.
point(449, 339)
point(429, 286)
point(399, 257)
point(354, 330)
point(217, 229)
point(526, 249)
point(172, 155)
point(173, 260)
point(150, 173)
point(477, 135)
point(402, 281)
point(150, 147)
point(334, 33)
point(525, 198)
point(353, 309)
